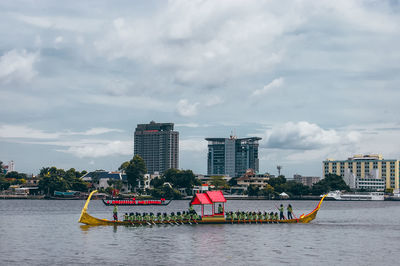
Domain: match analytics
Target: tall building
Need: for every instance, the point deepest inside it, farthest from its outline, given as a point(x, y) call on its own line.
point(158, 145)
point(370, 167)
point(232, 156)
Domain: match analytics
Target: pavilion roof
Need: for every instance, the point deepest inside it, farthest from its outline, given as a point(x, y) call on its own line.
point(216, 196)
point(200, 199)
point(209, 197)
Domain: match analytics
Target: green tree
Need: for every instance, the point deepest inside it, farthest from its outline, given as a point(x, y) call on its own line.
point(275, 181)
point(134, 169)
point(295, 188)
point(181, 178)
point(329, 183)
point(1, 168)
point(165, 192)
point(253, 190)
point(16, 175)
point(4, 183)
point(52, 178)
point(232, 182)
point(157, 182)
point(219, 182)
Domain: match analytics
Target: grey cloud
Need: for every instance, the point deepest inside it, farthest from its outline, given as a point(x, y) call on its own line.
point(306, 136)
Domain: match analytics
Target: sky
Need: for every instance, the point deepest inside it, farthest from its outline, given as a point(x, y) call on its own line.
point(313, 79)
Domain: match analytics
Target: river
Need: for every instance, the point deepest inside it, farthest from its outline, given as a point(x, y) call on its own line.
point(44, 232)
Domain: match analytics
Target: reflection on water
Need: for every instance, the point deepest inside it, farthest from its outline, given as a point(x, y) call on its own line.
point(344, 233)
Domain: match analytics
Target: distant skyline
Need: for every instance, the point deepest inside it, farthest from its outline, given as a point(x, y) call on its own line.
point(313, 79)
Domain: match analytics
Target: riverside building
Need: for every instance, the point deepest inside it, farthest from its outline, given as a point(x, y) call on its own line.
point(232, 156)
point(370, 171)
point(306, 180)
point(158, 145)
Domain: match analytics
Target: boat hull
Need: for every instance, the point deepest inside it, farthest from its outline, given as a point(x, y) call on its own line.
point(86, 218)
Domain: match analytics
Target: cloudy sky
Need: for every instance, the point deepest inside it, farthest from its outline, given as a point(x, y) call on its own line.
point(314, 79)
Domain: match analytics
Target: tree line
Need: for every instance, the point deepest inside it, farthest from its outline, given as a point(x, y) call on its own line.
point(169, 185)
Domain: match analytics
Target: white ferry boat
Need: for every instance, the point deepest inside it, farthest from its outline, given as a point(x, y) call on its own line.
point(338, 195)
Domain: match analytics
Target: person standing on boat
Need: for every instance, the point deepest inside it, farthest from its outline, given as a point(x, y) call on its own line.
point(281, 209)
point(115, 213)
point(220, 209)
point(289, 211)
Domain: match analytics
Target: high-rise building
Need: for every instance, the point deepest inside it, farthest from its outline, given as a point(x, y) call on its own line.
point(158, 145)
point(369, 167)
point(232, 156)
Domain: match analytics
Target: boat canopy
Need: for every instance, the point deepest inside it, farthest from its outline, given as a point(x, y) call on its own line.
point(216, 196)
point(210, 197)
point(200, 199)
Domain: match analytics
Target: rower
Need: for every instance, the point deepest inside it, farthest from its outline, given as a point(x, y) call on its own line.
point(191, 210)
point(281, 217)
point(289, 212)
point(126, 216)
point(234, 216)
point(115, 213)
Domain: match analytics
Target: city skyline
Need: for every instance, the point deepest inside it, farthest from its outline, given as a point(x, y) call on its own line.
point(313, 79)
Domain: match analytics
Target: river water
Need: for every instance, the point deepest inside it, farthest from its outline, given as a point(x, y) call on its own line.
point(44, 232)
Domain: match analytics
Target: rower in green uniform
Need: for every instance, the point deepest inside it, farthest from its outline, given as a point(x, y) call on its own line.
point(289, 211)
point(281, 217)
point(115, 213)
point(220, 209)
point(191, 210)
point(126, 217)
point(234, 216)
point(271, 216)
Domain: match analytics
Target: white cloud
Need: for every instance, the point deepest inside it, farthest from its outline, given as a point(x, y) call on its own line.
point(95, 131)
point(18, 131)
point(307, 136)
point(203, 44)
point(58, 39)
point(95, 150)
point(17, 66)
point(185, 108)
point(213, 100)
point(192, 125)
point(195, 145)
point(276, 83)
point(21, 131)
point(74, 24)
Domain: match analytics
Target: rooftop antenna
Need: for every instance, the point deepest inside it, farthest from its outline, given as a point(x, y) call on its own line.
point(279, 167)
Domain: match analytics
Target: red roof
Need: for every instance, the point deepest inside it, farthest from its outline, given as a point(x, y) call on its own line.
point(216, 196)
point(200, 198)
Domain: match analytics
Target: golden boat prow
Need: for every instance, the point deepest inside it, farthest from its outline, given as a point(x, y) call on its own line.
point(86, 218)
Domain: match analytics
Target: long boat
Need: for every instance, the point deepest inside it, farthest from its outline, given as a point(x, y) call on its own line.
point(358, 196)
point(86, 218)
point(134, 202)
